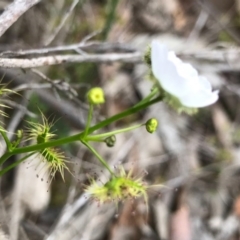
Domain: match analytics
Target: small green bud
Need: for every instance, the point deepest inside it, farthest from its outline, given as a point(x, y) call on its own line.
point(110, 141)
point(96, 96)
point(19, 138)
point(151, 125)
point(147, 56)
point(20, 134)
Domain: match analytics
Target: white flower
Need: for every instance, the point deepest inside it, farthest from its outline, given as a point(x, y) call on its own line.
point(180, 79)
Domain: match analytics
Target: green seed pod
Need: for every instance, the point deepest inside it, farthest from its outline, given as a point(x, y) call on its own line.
point(19, 134)
point(151, 125)
point(110, 141)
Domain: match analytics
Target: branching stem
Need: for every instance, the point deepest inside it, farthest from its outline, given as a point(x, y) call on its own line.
point(108, 134)
point(79, 136)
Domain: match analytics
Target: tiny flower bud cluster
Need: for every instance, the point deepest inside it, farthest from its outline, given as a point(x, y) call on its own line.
point(118, 188)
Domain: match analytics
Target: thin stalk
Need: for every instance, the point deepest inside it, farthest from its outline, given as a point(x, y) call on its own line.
point(89, 119)
point(123, 114)
point(79, 136)
point(8, 143)
point(5, 157)
point(149, 96)
point(108, 134)
point(103, 162)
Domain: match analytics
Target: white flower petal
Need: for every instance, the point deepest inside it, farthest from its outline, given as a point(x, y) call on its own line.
point(183, 69)
point(180, 79)
point(201, 99)
point(205, 84)
point(166, 72)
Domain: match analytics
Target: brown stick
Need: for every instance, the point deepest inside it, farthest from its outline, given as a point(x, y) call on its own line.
point(13, 12)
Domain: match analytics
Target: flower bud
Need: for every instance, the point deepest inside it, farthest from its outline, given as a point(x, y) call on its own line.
point(110, 141)
point(20, 134)
point(96, 96)
point(151, 125)
point(18, 139)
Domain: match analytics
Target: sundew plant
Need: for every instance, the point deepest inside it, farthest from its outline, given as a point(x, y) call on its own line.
point(174, 82)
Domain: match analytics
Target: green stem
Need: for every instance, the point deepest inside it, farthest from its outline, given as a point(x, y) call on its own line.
point(89, 119)
point(94, 140)
point(14, 164)
point(79, 136)
point(8, 143)
point(108, 134)
point(123, 114)
point(38, 147)
point(5, 157)
point(103, 162)
point(149, 96)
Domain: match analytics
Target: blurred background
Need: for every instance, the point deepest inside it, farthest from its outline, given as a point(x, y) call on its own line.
point(197, 158)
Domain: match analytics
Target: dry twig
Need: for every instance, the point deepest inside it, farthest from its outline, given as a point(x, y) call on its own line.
point(60, 85)
point(74, 115)
point(60, 59)
point(221, 60)
point(13, 12)
point(83, 45)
